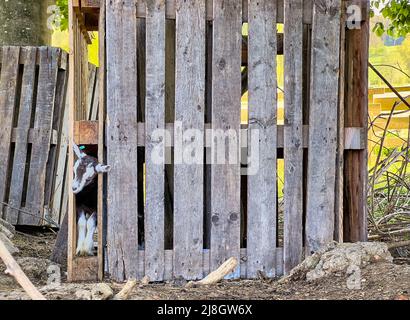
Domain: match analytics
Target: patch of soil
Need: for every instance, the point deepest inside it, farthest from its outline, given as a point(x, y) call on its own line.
point(378, 280)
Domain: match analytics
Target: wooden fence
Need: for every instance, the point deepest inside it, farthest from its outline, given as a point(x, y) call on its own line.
point(179, 62)
point(32, 103)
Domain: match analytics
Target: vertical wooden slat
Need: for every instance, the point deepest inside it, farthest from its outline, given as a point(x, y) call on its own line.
point(122, 207)
point(338, 232)
point(100, 99)
point(154, 145)
point(58, 211)
point(72, 219)
point(58, 115)
point(8, 90)
point(189, 114)
point(226, 103)
point(356, 109)
point(262, 81)
point(293, 134)
point(23, 126)
point(323, 124)
point(43, 122)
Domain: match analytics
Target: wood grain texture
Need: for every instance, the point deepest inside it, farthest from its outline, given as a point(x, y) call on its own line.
point(356, 110)
point(226, 101)
point(47, 80)
point(100, 100)
point(261, 240)
point(122, 207)
point(189, 114)
point(58, 115)
point(320, 214)
point(293, 135)
point(60, 179)
point(338, 230)
point(22, 133)
point(72, 103)
point(155, 120)
point(8, 85)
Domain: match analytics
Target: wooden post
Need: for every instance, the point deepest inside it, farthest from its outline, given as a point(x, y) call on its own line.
point(356, 105)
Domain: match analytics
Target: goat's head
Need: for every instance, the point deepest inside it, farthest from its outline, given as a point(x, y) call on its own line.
point(86, 168)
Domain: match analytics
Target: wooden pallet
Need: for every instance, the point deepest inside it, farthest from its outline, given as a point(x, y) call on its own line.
point(33, 87)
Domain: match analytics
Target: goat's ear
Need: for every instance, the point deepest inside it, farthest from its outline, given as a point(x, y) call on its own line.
point(78, 152)
point(102, 168)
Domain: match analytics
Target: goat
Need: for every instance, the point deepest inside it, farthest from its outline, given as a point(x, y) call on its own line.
point(86, 168)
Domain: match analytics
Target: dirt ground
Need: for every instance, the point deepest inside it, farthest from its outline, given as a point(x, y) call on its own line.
point(380, 280)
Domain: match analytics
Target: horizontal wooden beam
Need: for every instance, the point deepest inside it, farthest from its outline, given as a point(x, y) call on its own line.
point(86, 132)
point(62, 61)
point(31, 136)
point(354, 137)
point(92, 7)
point(86, 269)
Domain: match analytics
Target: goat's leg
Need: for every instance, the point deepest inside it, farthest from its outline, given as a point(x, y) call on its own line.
point(89, 238)
point(81, 231)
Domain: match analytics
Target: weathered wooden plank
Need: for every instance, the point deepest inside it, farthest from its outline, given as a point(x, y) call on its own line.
point(338, 230)
point(8, 89)
point(323, 125)
point(31, 136)
point(21, 136)
point(293, 138)
point(86, 132)
point(59, 182)
point(226, 99)
point(189, 114)
point(356, 111)
point(122, 220)
point(58, 115)
point(47, 80)
point(68, 197)
point(261, 240)
point(155, 145)
point(101, 100)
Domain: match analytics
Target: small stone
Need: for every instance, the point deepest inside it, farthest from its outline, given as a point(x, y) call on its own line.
point(145, 281)
point(101, 291)
point(83, 294)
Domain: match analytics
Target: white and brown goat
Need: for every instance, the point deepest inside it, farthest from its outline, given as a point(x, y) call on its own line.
point(86, 168)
